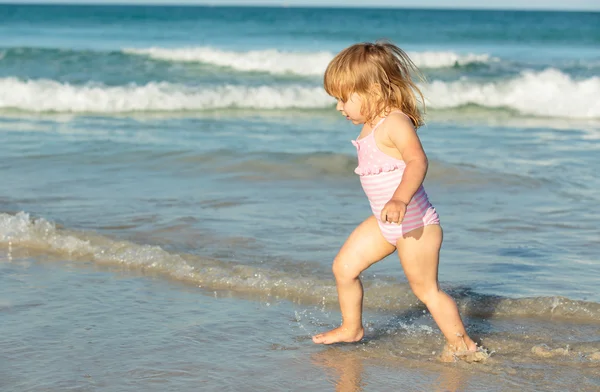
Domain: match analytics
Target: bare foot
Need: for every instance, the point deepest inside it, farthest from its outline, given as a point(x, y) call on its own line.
point(479, 355)
point(468, 352)
point(339, 335)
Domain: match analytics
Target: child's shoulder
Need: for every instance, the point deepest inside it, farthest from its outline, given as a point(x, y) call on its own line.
point(398, 130)
point(398, 122)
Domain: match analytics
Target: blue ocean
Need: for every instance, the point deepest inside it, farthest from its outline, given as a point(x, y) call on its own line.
point(176, 183)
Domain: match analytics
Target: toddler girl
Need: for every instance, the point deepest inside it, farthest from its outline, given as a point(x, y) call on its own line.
point(374, 88)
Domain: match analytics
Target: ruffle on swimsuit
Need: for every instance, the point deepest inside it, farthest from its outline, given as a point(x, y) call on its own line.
point(388, 167)
point(371, 160)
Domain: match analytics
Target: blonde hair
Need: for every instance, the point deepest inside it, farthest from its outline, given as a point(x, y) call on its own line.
point(381, 74)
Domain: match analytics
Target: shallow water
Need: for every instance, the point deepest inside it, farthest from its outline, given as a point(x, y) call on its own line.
point(128, 331)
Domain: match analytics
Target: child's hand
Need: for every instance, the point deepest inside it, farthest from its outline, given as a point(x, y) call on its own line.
point(393, 211)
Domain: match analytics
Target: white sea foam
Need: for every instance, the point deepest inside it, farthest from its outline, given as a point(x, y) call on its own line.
point(270, 60)
point(549, 93)
point(299, 63)
point(51, 96)
point(21, 231)
point(447, 59)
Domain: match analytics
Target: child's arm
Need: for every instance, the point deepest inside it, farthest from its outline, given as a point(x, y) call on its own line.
point(404, 137)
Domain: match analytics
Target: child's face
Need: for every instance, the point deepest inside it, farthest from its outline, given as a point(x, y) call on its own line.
point(352, 109)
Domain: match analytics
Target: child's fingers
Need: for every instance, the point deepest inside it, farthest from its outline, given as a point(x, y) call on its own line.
point(383, 216)
point(393, 216)
point(387, 215)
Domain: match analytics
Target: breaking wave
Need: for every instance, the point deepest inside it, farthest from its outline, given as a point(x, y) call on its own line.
point(278, 62)
point(51, 96)
point(549, 93)
point(24, 232)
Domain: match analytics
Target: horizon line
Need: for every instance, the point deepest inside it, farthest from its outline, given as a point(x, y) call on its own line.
point(300, 6)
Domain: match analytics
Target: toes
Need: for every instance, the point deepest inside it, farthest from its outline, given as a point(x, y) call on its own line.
point(324, 338)
point(318, 338)
point(479, 355)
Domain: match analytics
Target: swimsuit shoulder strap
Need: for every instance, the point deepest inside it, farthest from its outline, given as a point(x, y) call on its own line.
point(378, 124)
point(372, 133)
point(383, 119)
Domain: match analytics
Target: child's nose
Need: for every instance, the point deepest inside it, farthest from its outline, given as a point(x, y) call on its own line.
point(339, 106)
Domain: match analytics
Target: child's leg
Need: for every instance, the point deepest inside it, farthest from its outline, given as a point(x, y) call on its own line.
point(419, 253)
point(364, 247)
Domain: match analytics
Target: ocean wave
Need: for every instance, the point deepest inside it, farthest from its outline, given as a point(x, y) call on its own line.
point(271, 61)
point(299, 63)
point(21, 231)
point(51, 96)
point(549, 93)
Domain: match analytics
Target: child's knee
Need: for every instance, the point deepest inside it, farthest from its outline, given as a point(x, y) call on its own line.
point(425, 292)
point(343, 270)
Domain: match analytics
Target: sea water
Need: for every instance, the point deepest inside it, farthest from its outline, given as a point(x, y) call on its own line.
point(176, 184)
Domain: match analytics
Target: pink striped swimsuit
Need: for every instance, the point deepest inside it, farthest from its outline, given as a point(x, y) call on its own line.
point(380, 175)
